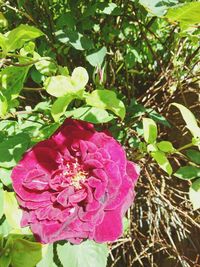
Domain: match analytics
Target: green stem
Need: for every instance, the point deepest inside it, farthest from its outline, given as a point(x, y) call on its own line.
point(185, 146)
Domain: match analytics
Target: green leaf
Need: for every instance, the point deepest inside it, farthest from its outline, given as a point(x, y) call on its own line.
point(12, 80)
point(25, 253)
point(79, 78)
point(12, 149)
point(5, 176)
point(5, 253)
point(166, 146)
point(3, 105)
point(194, 155)
point(60, 105)
point(48, 130)
point(189, 119)
point(162, 161)
point(47, 257)
point(157, 7)
point(150, 130)
point(5, 229)
point(187, 172)
point(96, 59)
point(157, 117)
point(187, 14)
point(87, 254)
point(3, 21)
point(126, 225)
point(152, 148)
point(11, 210)
point(106, 99)
point(90, 114)
point(75, 39)
point(58, 85)
point(3, 43)
point(20, 35)
point(46, 67)
point(194, 194)
point(1, 200)
point(108, 9)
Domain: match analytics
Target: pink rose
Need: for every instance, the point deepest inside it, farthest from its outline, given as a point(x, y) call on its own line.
point(77, 184)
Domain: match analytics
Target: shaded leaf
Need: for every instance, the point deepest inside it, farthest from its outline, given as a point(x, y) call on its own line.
point(187, 172)
point(75, 39)
point(12, 80)
point(12, 149)
point(25, 253)
point(194, 155)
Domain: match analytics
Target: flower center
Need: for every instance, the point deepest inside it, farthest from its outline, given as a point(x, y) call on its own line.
point(78, 178)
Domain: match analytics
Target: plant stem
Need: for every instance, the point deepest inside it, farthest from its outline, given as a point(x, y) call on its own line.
point(185, 146)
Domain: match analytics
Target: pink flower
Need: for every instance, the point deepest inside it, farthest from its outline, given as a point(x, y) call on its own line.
point(77, 184)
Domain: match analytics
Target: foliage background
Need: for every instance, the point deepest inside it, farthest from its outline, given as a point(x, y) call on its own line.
point(146, 52)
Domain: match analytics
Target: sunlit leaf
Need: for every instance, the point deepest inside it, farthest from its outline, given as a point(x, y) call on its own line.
point(11, 210)
point(96, 59)
point(87, 254)
point(3, 105)
point(1, 200)
point(3, 21)
point(166, 146)
point(157, 7)
point(187, 14)
point(46, 67)
point(194, 194)
point(18, 36)
point(60, 105)
point(189, 119)
point(150, 130)
point(47, 257)
point(58, 85)
point(90, 114)
point(106, 99)
point(5, 176)
point(162, 161)
point(79, 78)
